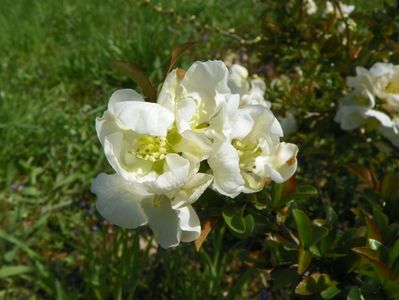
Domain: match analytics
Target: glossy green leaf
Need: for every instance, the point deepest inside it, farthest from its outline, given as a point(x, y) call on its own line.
point(304, 260)
point(241, 226)
point(304, 226)
point(315, 284)
point(330, 292)
point(355, 294)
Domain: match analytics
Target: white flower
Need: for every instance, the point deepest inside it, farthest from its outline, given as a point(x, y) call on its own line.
point(392, 132)
point(374, 96)
point(382, 80)
point(344, 8)
point(251, 91)
point(288, 124)
point(195, 97)
point(343, 12)
point(141, 143)
point(357, 108)
point(310, 6)
point(171, 218)
point(247, 153)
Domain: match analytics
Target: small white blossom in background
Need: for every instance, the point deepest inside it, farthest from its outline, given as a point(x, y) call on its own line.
point(374, 98)
point(310, 7)
point(156, 149)
point(251, 90)
point(343, 11)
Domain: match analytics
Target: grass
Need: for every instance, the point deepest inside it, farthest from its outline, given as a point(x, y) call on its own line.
point(55, 79)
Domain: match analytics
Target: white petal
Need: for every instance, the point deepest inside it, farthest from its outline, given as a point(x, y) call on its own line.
point(189, 224)
point(382, 69)
point(206, 82)
point(124, 95)
point(350, 116)
point(176, 173)
point(284, 163)
point(163, 221)
point(224, 163)
point(167, 95)
point(106, 125)
point(143, 117)
point(192, 190)
point(392, 133)
point(206, 78)
point(266, 126)
point(194, 145)
point(383, 118)
point(221, 125)
point(245, 120)
point(118, 202)
point(186, 108)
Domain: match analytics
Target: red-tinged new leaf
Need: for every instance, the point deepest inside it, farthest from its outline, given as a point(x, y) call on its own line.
point(204, 233)
point(372, 257)
point(177, 51)
point(364, 174)
point(138, 76)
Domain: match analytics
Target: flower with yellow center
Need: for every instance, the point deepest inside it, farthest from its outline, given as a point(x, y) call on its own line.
point(247, 153)
point(141, 143)
point(374, 96)
point(155, 183)
point(195, 97)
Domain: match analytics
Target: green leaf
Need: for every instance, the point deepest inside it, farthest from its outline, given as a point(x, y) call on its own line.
point(330, 292)
point(372, 257)
point(389, 184)
point(316, 283)
point(277, 192)
point(284, 276)
point(354, 294)
point(137, 75)
point(303, 192)
point(304, 260)
point(177, 51)
point(8, 271)
point(304, 226)
point(241, 227)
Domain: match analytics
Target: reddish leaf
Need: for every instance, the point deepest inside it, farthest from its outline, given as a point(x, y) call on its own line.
point(177, 51)
point(365, 174)
point(204, 233)
point(372, 257)
point(137, 75)
point(289, 186)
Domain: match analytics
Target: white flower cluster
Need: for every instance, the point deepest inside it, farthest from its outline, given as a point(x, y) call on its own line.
point(205, 116)
point(343, 12)
point(374, 98)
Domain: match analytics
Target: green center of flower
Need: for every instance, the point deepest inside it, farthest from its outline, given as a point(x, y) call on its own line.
point(361, 100)
point(247, 154)
point(392, 88)
point(155, 148)
point(152, 148)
